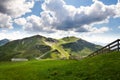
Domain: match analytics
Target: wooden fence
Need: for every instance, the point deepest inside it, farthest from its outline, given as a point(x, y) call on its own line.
point(114, 46)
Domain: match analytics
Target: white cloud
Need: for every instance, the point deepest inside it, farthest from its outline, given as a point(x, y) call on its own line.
point(13, 35)
point(33, 23)
point(68, 17)
point(16, 8)
point(4, 31)
point(101, 40)
point(119, 27)
point(58, 16)
point(20, 21)
point(118, 1)
point(100, 30)
point(5, 21)
point(10, 9)
point(118, 9)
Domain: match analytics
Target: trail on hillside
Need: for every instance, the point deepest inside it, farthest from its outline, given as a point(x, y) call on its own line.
point(56, 46)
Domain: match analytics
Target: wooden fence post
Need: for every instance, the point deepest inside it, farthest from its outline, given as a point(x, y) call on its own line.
point(118, 45)
point(109, 48)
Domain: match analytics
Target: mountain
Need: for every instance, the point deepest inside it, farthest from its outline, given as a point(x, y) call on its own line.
point(40, 47)
point(30, 47)
point(3, 42)
point(80, 47)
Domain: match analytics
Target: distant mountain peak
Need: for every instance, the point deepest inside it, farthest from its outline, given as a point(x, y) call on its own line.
point(69, 39)
point(33, 37)
point(38, 36)
point(4, 41)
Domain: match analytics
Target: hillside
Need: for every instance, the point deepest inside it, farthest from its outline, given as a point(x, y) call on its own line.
point(3, 42)
point(30, 47)
point(80, 47)
point(40, 47)
point(68, 39)
point(101, 67)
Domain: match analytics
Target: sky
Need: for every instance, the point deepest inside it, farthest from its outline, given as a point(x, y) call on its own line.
point(97, 21)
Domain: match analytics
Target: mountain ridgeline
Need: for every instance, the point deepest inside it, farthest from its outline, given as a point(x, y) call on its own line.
point(40, 47)
point(3, 42)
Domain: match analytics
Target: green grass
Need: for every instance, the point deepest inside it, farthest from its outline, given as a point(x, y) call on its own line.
point(58, 47)
point(101, 67)
point(68, 39)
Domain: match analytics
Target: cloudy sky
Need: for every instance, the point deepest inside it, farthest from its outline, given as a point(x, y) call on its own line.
point(97, 21)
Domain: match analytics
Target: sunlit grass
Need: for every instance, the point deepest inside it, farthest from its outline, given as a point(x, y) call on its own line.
point(101, 67)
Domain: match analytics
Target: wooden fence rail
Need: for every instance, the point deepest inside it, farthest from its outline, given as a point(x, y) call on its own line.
point(114, 46)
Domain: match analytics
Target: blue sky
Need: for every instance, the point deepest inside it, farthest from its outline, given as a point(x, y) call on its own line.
point(96, 21)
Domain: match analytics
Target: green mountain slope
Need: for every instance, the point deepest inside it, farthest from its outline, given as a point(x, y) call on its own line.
point(68, 39)
point(101, 67)
point(40, 47)
point(80, 47)
point(25, 48)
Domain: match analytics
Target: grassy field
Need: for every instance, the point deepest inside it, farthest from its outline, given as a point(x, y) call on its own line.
point(101, 67)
